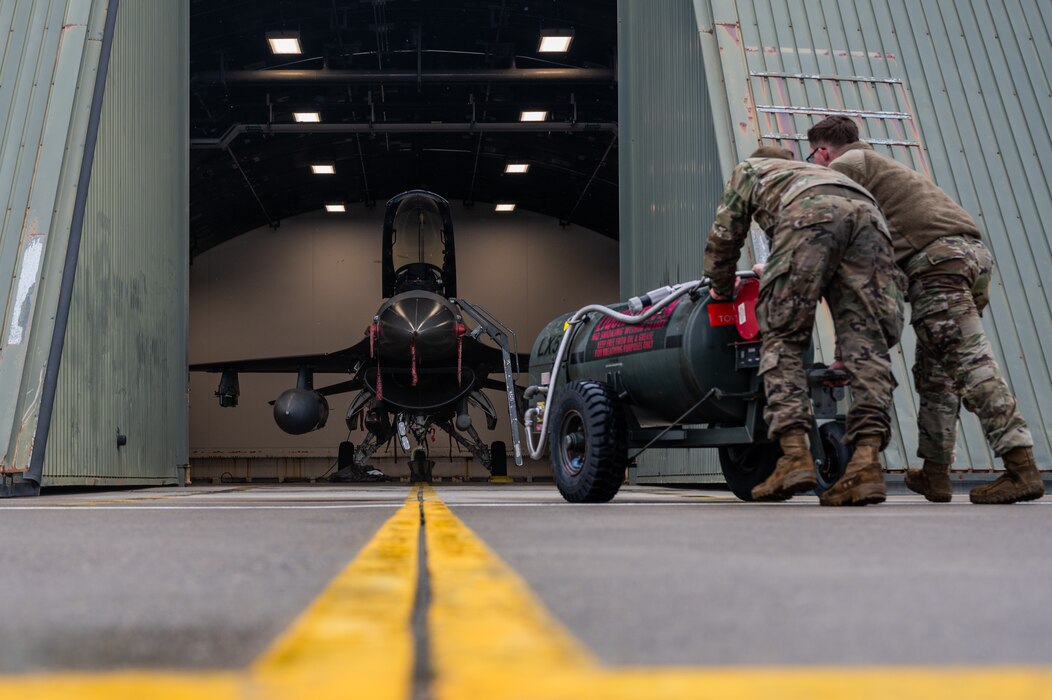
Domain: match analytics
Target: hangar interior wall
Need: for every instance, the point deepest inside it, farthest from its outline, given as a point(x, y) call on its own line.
point(124, 362)
point(957, 89)
point(313, 286)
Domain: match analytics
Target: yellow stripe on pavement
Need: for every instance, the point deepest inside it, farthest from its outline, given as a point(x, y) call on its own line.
point(132, 685)
point(492, 639)
point(488, 634)
point(355, 640)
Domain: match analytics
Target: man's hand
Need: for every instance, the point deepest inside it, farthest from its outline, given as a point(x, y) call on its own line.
point(757, 269)
point(841, 378)
point(719, 297)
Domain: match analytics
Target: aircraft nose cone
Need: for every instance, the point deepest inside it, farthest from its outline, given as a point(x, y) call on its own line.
point(421, 319)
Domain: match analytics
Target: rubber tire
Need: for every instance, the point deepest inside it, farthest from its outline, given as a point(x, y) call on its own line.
point(600, 471)
point(498, 458)
point(420, 468)
point(747, 466)
point(837, 455)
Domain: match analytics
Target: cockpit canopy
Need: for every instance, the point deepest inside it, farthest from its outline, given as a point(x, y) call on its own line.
point(418, 248)
point(418, 232)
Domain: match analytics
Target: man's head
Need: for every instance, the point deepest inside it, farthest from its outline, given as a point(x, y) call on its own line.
point(772, 152)
point(829, 138)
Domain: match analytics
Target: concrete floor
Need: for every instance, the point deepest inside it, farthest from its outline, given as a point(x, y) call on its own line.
point(206, 577)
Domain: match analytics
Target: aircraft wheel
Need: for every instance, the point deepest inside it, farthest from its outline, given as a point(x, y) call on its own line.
point(837, 455)
point(498, 456)
point(589, 444)
point(420, 468)
point(345, 457)
point(746, 466)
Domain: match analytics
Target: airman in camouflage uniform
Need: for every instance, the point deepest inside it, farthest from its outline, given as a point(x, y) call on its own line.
point(828, 239)
point(938, 245)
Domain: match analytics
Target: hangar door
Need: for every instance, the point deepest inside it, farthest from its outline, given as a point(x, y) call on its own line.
point(89, 176)
point(954, 88)
point(929, 84)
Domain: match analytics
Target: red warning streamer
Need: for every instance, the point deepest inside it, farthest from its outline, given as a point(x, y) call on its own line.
point(461, 330)
point(412, 360)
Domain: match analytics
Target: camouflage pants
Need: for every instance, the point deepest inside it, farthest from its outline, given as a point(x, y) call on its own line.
point(949, 288)
point(839, 248)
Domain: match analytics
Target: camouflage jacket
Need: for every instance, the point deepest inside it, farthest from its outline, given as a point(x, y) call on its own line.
point(759, 189)
point(918, 211)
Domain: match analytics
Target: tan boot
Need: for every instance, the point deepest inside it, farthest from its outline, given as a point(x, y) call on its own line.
point(1020, 482)
point(794, 473)
point(863, 480)
point(931, 481)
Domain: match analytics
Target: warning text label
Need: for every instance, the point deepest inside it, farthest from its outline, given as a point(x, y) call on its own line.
point(611, 337)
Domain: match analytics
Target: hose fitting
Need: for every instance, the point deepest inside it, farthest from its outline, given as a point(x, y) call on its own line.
point(637, 304)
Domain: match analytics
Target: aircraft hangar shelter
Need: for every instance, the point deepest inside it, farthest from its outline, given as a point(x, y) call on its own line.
point(167, 206)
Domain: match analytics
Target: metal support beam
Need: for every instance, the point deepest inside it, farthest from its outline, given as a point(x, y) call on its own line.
point(602, 161)
point(270, 222)
point(400, 128)
point(342, 77)
point(365, 179)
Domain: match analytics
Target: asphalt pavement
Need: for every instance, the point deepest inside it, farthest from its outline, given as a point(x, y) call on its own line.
point(205, 578)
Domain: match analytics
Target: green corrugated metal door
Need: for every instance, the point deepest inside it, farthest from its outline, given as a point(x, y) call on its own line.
point(124, 365)
point(957, 89)
point(46, 88)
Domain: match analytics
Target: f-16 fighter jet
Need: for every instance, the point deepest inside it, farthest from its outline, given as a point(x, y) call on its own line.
point(421, 364)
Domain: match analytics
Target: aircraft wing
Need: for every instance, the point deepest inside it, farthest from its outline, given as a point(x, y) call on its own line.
point(337, 362)
point(477, 353)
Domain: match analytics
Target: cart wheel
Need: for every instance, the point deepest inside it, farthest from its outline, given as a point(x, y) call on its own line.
point(588, 443)
point(746, 466)
point(837, 455)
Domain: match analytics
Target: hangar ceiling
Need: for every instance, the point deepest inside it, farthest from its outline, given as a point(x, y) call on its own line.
point(409, 93)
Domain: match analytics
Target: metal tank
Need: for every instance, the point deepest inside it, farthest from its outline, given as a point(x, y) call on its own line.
point(660, 368)
point(686, 374)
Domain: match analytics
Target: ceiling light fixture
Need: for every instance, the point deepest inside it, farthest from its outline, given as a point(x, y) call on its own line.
point(335, 208)
point(323, 169)
point(306, 117)
point(517, 168)
point(555, 40)
point(533, 116)
point(505, 207)
point(284, 42)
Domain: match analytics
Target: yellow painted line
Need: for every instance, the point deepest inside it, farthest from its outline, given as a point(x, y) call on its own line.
point(123, 686)
point(492, 639)
point(353, 641)
point(144, 498)
point(762, 684)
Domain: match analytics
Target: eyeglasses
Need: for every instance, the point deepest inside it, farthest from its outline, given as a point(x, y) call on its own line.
point(811, 158)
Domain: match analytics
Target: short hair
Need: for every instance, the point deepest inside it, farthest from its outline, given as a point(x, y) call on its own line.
point(836, 131)
point(773, 152)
